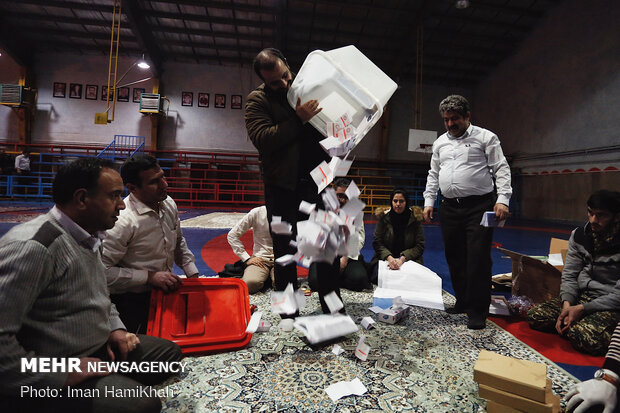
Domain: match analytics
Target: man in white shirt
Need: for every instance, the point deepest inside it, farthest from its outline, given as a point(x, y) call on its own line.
point(22, 168)
point(464, 162)
point(260, 263)
point(139, 252)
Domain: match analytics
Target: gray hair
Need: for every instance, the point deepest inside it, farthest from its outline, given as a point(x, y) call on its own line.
point(454, 103)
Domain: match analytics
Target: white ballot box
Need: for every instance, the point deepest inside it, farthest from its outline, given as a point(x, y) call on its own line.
point(343, 81)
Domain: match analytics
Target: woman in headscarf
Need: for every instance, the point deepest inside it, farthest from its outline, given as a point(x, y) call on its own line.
point(399, 236)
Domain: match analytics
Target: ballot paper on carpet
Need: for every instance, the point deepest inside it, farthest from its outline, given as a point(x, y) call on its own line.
point(288, 301)
point(416, 284)
point(324, 327)
point(341, 389)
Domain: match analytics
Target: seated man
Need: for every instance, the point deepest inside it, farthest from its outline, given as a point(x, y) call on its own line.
point(353, 275)
point(602, 390)
point(588, 308)
point(54, 302)
point(260, 264)
point(140, 250)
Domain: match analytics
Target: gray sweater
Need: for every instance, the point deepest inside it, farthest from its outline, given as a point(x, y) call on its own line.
point(54, 301)
point(595, 274)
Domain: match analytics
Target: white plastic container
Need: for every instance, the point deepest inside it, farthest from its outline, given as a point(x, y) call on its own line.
point(343, 81)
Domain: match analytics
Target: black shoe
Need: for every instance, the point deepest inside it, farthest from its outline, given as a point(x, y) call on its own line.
point(455, 310)
point(476, 321)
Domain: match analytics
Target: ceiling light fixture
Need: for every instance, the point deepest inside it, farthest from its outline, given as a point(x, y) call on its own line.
point(461, 4)
point(142, 63)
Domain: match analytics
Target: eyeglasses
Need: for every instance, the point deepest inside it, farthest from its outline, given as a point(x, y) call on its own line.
point(342, 196)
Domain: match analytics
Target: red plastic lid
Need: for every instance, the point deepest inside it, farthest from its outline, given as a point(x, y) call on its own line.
point(204, 315)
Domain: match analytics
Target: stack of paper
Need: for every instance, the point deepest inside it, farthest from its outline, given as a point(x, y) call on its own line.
point(413, 282)
point(324, 327)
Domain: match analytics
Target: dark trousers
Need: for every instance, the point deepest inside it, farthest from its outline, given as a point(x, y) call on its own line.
point(285, 203)
point(150, 349)
point(133, 309)
point(468, 250)
point(354, 277)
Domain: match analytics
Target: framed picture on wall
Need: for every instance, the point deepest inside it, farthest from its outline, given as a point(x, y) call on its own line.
point(187, 98)
point(137, 92)
point(104, 94)
point(91, 92)
point(220, 101)
point(75, 91)
point(123, 94)
point(203, 100)
point(235, 101)
point(60, 90)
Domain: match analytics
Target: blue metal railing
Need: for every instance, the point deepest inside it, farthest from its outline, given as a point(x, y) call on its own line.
point(123, 146)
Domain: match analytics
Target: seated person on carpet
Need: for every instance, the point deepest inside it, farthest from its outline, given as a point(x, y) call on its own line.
point(399, 235)
point(603, 388)
point(139, 252)
point(259, 266)
point(54, 302)
point(353, 275)
point(588, 308)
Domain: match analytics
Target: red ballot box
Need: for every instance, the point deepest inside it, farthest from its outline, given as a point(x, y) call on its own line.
point(205, 315)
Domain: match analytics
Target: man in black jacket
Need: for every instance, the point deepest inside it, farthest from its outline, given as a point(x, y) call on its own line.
point(288, 149)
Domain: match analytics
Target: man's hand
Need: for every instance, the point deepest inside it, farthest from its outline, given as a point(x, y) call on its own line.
point(122, 343)
point(428, 213)
point(344, 261)
point(570, 315)
point(75, 377)
point(501, 211)
point(308, 110)
point(591, 393)
point(256, 261)
point(164, 280)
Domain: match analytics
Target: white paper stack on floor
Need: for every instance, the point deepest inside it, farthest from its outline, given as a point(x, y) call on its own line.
point(324, 327)
point(414, 283)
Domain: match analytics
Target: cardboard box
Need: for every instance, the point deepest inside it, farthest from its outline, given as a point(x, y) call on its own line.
point(521, 377)
point(518, 402)
point(393, 314)
point(535, 278)
point(494, 407)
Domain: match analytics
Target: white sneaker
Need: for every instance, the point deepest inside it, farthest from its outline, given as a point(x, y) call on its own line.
point(286, 324)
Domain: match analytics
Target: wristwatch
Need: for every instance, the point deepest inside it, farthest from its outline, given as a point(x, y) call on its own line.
point(602, 374)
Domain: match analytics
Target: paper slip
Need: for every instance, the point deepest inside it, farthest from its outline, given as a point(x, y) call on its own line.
point(322, 176)
point(352, 191)
point(367, 323)
point(330, 199)
point(339, 167)
point(285, 259)
point(337, 350)
point(324, 327)
point(254, 321)
point(555, 259)
point(333, 302)
point(306, 207)
point(284, 302)
point(341, 389)
point(362, 350)
point(488, 220)
point(280, 227)
point(263, 326)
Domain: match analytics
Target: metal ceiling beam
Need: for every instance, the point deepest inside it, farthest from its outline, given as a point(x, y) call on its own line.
point(57, 19)
point(206, 19)
point(209, 33)
point(221, 5)
point(139, 26)
point(73, 46)
point(43, 31)
point(66, 5)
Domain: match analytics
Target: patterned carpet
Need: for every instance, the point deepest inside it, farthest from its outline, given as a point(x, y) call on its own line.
point(424, 364)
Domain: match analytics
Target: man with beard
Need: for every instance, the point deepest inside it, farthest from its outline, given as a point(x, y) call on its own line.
point(464, 162)
point(139, 252)
point(588, 308)
point(288, 149)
